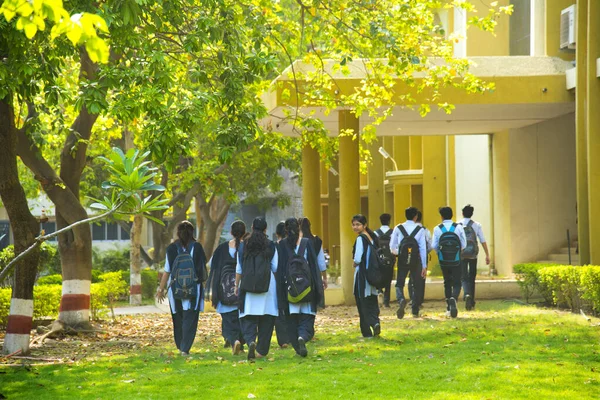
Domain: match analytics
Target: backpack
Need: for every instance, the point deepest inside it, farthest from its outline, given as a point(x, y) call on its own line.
point(409, 255)
point(375, 274)
point(299, 279)
point(226, 288)
point(449, 247)
point(256, 273)
point(472, 248)
point(184, 281)
point(384, 252)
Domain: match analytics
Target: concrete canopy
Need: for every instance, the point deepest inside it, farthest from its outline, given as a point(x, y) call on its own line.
point(528, 90)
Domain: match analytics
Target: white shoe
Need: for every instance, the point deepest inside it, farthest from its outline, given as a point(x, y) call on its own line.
point(448, 315)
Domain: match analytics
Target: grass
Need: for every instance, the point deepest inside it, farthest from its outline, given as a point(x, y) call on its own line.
point(500, 351)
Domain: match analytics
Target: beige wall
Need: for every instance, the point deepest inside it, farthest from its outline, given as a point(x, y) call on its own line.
point(502, 218)
point(541, 189)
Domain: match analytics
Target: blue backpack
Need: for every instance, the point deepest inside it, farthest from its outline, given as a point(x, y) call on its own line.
point(449, 247)
point(184, 281)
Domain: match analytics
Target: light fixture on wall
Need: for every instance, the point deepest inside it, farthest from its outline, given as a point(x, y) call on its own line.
point(333, 171)
point(386, 155)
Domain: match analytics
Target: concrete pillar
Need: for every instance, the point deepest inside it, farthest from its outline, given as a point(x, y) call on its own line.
point(451, 173)
point(311, 188)
point(333, 216)
point(502, 207)
point(349, 199)
point(593, 128)
point(416, 162)
point(324, 205)
point(376, 192)
point(583, 213)
point(401, 192)
point(434, 179)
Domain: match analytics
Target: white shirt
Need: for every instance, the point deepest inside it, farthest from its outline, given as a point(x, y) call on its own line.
point(476, 227)
point(384, 229)
point(359, 249)
point(420, 237)
point(186, 304)
point(427, 237)
point(437, 232)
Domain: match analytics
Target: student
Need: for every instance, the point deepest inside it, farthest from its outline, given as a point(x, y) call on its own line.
point(428, 240)
point(258, 308)
point(283, 339)
point(384, 235)
point(473, 231)
point(300, 302)
point(184, 309)
point(316, 242)
point(449, 240)
point(221, 287)
point(409, 244)
point(364, 293)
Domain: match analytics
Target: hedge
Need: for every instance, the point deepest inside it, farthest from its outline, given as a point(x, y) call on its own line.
point(574, 287)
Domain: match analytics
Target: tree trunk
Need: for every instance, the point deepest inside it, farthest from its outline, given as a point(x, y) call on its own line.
point(25, 228)
point(213, 216)
point(135, 276)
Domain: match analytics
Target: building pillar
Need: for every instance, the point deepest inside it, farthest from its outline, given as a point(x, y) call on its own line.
point(416, 162)
point(333, 216)
point(376, 191)
point(501, 201)
point(451, 173)
point(401, 192)
point(388, 165)
point(583, 214)
point(324, 205)
point(349, 199)
point(593, 128)
point(434, 179)
point(311, 188)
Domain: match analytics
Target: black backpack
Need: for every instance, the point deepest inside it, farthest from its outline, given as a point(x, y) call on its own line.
point(409, 255)
point(184, 281)
point(226, 288)
point(384, 252)
point(376, 274)
point(449, 247)
point(298, 278)
point(256, 273)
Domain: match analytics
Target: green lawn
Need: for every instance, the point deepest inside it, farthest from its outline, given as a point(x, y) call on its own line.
point(500, 351)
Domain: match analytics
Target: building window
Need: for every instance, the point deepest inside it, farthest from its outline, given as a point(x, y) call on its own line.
point(108, 231)
point(124, 234)
point(99, 231)
point(520, 28)
point(4, 234)
point(112, 231)
point(49, 227)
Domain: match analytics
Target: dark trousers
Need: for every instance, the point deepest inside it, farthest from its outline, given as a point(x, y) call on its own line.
point(300, 325)
point(386, 293)
point(185, 324)
point(469, 273)
point(417, 284)
point(261, 325)
point(231, 328)
point(452, 277)
point(368, 311)
point(411, 290)
point(281, 329)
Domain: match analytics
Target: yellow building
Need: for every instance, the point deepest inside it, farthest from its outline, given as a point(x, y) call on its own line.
point(523, 155)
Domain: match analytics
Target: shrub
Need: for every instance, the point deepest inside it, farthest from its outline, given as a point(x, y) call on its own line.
point(528, 279)
point(46, 301)
point(106, 292)
point(55, 279)
point(590, 286)
point(114, 260)
point(4, 305)
point(149, 281)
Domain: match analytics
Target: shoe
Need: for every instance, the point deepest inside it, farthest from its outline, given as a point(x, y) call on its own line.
point(252, 351)
point(237, 348)
point(376, 330)
point(284, 346)
point(302, 352)
point(415, 315)
point(227, 344)
point(386, 305)
point(453, 308)
point(380, 298)
point(184, 354)
point(447, 313)
point(469, 303)
point(401, 309)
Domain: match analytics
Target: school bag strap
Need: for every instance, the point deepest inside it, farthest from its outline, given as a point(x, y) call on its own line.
point(379, 232)
point(302, 247)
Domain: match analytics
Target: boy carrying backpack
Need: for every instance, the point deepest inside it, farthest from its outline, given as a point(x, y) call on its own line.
point(449, 241)
point(386, 257)
point(408, 242)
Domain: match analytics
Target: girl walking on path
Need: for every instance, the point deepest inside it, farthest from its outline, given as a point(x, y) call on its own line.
point(300, 309)
point(257, 290)
point(364, 293)
point(185, 309)
point(221, 287)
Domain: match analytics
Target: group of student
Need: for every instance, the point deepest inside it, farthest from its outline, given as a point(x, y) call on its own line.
point(258, 285)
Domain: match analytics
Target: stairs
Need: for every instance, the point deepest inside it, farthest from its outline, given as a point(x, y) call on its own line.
point(561, 256)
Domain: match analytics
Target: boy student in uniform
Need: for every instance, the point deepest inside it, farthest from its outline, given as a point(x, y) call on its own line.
point(473, 231)
point(258, 310)
point(185, 312)
point(364, 293)
point(412, 260)
point(384, 234)
point(222, 267)
point(300, 313)
point(428, 241)
point(283, 339)
point(451, 273)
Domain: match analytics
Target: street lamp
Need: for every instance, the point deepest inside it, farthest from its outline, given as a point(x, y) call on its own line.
point(386, 155)
point(333, 171)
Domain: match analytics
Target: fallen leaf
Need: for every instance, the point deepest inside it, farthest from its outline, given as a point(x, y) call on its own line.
point(129, 381)
point(251, 396)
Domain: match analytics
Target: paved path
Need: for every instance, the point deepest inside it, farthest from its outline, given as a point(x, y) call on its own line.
point(155, 309)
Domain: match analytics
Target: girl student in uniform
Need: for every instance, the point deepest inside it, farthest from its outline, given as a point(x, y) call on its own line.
point(300, 315)
point(257, 311)
point(364, 293)
point(317, 243)
point(221, 287)
point(185, 312)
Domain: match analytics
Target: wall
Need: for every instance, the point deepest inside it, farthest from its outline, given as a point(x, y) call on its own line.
point(502, 219)
point(473, 182)
point(480, 43)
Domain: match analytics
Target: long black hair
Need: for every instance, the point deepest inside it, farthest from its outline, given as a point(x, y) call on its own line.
point(257, 243)
point(305, 227)
point(363, 220)
point(293, 231)
point(185, 233)
point(238, 230)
